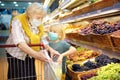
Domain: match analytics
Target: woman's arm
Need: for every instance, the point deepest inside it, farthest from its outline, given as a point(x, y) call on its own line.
point(38, 55)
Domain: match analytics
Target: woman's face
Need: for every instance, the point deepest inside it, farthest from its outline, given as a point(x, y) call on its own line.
point(37, 15)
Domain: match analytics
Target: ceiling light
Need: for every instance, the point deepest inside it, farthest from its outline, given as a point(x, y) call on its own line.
point(29, 3)
point(14, 2)
point(0, 1)
point(2, 4)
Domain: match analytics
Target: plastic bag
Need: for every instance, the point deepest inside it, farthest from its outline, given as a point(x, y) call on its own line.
point(53, 70)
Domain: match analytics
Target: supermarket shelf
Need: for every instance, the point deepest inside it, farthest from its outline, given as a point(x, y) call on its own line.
point(55, 13)
point(72, 3)
point(89, 16)
point(62, 4)
point(92, 7)
point(48, 3)
point(66, 4)
point(93, 16)
point(79, 15)
point(95, 48)
point(104, 42)
point(78, 4)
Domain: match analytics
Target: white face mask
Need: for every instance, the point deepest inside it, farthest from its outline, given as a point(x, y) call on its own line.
point(35, 22)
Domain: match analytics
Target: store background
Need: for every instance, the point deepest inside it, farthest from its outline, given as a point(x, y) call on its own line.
point(7, 6)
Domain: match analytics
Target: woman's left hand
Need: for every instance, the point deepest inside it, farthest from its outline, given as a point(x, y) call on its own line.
point(54, 53)
point(60, 59)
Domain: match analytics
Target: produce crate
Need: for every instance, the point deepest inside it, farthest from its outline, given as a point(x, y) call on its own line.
point(115, 39)
point(102, 40)
point(115, 43)
point(86, 38)
point(77, 75)
point(73, 36)
point(86, 73)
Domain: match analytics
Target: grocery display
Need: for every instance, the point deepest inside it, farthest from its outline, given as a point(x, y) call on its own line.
point(109, 72)
point(81, 55)
point(102, 31)
point(101, 27)
point(98, 61)
point(86, 67)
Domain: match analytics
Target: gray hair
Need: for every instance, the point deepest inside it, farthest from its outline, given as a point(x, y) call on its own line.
point(35, 7)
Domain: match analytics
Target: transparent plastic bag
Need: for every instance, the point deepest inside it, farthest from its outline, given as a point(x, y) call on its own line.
point(53, 70)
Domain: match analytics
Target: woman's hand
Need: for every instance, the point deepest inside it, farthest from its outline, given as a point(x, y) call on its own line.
point(42, 57)
point(54, 53)
point(60, 58)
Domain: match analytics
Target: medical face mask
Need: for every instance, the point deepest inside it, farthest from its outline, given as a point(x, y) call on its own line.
point(35, 22)
point(53, 36)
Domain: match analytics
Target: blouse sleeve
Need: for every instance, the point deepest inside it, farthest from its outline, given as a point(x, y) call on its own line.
point(16, 31)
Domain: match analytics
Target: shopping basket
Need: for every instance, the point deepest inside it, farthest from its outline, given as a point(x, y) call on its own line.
point(4, 66)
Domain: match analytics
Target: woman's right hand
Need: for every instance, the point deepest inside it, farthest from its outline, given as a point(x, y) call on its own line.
point(37, 55)
point(41, 56)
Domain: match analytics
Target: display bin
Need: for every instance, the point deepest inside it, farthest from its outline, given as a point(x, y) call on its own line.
point(87, 38)
point(115, 43)
point(77, 75)
point(79, 37)
point(115, 39)
point(73, 36)
point(102, 40)
point(93, 71)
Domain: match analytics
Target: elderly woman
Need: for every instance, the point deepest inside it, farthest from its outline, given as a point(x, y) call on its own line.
point(27, 28)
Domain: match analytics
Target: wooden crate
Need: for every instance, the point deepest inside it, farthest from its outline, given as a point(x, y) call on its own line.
point(93, 71)
point(102, 40)
point(115, 39)
point(115, 43)
point(77, 75)
point(86, 38)
point(73, 36)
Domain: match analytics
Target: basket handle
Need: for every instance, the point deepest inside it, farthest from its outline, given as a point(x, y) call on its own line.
point(13, 45)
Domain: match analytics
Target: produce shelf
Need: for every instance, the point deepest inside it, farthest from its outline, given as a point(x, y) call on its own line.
point(95, 47)
point(109, 13)
point(92, 7)
point(102, 41)
point(73, 3)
